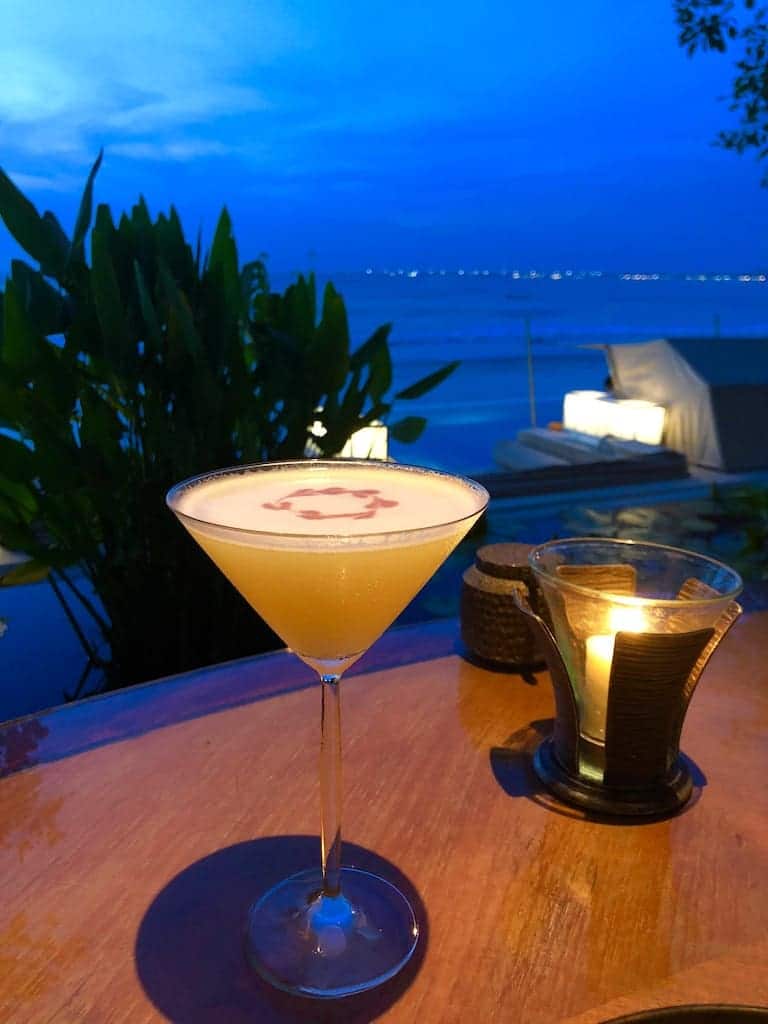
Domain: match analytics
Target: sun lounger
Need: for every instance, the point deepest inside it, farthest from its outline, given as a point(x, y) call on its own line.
point(541, 461)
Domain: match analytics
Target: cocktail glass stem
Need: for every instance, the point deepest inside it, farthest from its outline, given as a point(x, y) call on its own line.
point(330, 783)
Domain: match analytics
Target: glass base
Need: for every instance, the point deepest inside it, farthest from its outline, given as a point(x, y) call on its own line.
point(326, 947)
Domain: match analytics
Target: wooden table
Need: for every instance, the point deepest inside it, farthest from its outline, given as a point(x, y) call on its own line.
point(135, 829)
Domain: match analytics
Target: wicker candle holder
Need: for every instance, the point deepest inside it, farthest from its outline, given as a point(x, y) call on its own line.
point(633, 626)
point(492, 625)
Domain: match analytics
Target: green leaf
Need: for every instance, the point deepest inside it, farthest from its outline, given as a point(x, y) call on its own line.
point(45, 307)
point(41, 237)
point(17, 460)
point(19, 496)
point(408, 429)
point(223, 252)
point(110, 310)
point(22, 346)
point(297, 312)
point(139, 238)
point(20, 535)
point(329, 355)
point(421, 387)
point(84, 213)
point(60, 242)
point(26, 572)
point(12, 402)
point(173, 250)
point(226, 305)
point(380, 376)
point(183, 322)
point(368, 350)
point(99, 425)
point(374, 353)
point(148, 310)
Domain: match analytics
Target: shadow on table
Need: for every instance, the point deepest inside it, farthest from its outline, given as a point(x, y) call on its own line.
point(512, 767)
point(527, 673)
point(189, 948)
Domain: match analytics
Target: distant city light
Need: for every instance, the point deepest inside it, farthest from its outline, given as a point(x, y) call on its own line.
point(631, 276)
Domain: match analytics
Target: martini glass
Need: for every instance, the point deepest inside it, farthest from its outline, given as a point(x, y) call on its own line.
point(329, 553)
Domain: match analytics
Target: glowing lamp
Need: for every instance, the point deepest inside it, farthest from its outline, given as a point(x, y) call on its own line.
point(586, 412)
point(633, 419)
point(369, 442)
point(599, 415)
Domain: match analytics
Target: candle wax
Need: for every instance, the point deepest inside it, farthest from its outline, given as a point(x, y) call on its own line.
point(597, 675)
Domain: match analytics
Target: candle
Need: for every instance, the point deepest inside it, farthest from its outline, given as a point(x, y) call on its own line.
point(597, 669)
point(597, 675)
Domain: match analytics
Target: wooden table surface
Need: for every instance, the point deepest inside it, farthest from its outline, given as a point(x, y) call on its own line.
point(135, 830)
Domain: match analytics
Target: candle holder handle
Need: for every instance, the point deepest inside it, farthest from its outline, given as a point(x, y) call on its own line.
point(565, 737)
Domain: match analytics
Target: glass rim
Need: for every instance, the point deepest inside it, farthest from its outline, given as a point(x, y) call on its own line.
point(192, 481)
point(634, 599)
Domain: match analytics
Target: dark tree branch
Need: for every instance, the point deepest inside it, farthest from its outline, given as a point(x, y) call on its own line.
point(718, 25)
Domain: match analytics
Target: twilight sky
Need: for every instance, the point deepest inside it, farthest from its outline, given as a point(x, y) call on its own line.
point(390, 133)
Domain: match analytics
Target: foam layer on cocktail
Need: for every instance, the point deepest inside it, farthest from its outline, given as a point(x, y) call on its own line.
point(316, 501)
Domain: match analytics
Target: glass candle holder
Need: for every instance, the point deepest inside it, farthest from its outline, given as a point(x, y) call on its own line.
point(632, 627)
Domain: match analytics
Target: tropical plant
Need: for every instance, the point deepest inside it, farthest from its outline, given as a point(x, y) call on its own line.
point(128, 361)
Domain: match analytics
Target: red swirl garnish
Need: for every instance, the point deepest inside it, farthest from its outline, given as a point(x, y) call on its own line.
point(371, 498)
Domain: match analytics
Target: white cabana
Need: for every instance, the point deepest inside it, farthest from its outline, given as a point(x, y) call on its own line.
point(715, 392)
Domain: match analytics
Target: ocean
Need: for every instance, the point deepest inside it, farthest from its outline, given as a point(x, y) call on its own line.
point(478, 318)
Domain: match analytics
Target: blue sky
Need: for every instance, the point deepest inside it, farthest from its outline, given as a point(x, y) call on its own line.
point(395, 133)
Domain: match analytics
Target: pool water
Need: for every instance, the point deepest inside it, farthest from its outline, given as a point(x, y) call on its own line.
point(715, 526)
